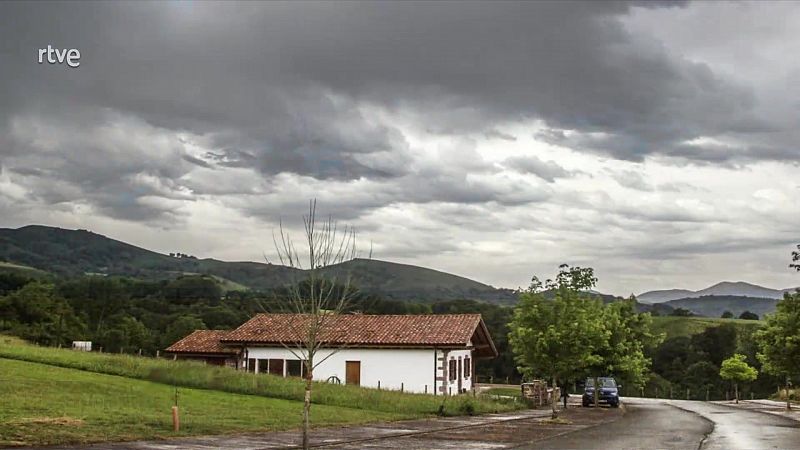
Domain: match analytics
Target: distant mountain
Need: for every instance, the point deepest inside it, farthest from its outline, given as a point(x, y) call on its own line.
point(715, 305)
point(70, 253)
point(726, 288)
point(663, 296)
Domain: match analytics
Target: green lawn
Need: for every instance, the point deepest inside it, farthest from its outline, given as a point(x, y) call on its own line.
point(44, 404)
point(506, 391)
point(197, 375)
point(674, 326)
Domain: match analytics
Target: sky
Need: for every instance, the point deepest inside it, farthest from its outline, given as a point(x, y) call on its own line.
point(658, 143)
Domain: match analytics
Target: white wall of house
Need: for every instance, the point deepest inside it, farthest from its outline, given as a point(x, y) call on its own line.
point(413, 369)
point(451, 383)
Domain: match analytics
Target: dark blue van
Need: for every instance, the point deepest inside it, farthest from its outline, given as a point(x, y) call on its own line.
point(609, 392)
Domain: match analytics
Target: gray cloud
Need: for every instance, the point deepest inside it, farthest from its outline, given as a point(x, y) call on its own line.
point(185, 111)
point(546, 170)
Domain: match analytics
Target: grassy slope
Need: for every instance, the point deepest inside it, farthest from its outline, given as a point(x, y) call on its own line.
point(7, 267)
point(687, 326)
point(74, 252)
point(197, 375)
point(48, 405)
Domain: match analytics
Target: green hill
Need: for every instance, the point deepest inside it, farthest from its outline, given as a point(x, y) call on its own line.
point(70, 253)
point(686, 326)
point(715, 305)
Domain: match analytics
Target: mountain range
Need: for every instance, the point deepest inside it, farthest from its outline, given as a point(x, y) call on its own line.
point(725, 288)
point(69, 253)
point(51, 251)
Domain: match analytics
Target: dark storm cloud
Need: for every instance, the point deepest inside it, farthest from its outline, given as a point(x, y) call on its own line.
point(298, 88)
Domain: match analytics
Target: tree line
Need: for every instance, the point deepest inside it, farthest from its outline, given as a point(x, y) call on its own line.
point(125, 314)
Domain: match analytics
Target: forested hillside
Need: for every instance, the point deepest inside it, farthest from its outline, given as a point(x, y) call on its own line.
point(71, 253)
point(716, 305)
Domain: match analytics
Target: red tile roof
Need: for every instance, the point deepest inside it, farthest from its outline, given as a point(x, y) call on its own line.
point(202, 341)
point(445, 330)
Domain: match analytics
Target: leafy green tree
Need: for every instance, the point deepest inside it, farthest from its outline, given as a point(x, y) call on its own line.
point(737, 370)
point(36, 312)
point(10, 282)
point(180, 328)
point(715, 343)
point(128, 335)
point(779, 340)
point(747, 315)
point(701, 377)
point(99, 298)
point(628, 337)
point(727, 315)
point(681, 312)
point(556, 339)
point(796, 259)
point(189, 289)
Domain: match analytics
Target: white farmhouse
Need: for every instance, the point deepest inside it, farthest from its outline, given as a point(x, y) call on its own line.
point(432, 354)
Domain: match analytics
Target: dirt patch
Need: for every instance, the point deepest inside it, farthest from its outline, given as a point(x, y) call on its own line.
point(59, 421)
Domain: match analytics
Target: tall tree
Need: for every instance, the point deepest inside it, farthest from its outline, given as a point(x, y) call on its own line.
point(737, 370)
point(557, 338)
point(38, 313)
point(747, 315)
point(779, 341)
point(628, 337)
point(796, 259)
point(321, 297)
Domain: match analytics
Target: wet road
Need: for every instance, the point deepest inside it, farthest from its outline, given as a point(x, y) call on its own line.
point(739, 429)
point(666, 424)
point(645, 424)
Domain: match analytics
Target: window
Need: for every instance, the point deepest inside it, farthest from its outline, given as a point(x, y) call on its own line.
point(294, 368)
point(467, 367)
point(251, 365)
point(276, 367)
point(262, 366)
point(453, 370)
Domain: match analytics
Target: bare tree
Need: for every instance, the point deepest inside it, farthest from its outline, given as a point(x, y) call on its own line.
point(320, 298)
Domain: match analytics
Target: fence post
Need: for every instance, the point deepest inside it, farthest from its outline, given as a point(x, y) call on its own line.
point(140, 352)
point(379, 385)
point(176, 421)
point(426, 388)
point(707, 394)
point(402, 385)
point(687, 394)
point(670, 392)
point(158, 353)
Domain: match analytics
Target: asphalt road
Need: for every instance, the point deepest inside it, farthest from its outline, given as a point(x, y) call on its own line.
point(645, 424)
point(668, 424)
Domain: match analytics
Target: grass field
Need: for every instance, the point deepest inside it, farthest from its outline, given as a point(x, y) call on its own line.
point(505, 391)
point(686, 326)
point(200, 376)
point(22, 270)
point(44, 404)
point(63, 396)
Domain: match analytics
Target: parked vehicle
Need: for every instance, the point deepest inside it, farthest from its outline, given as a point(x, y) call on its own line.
point(609, 392)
